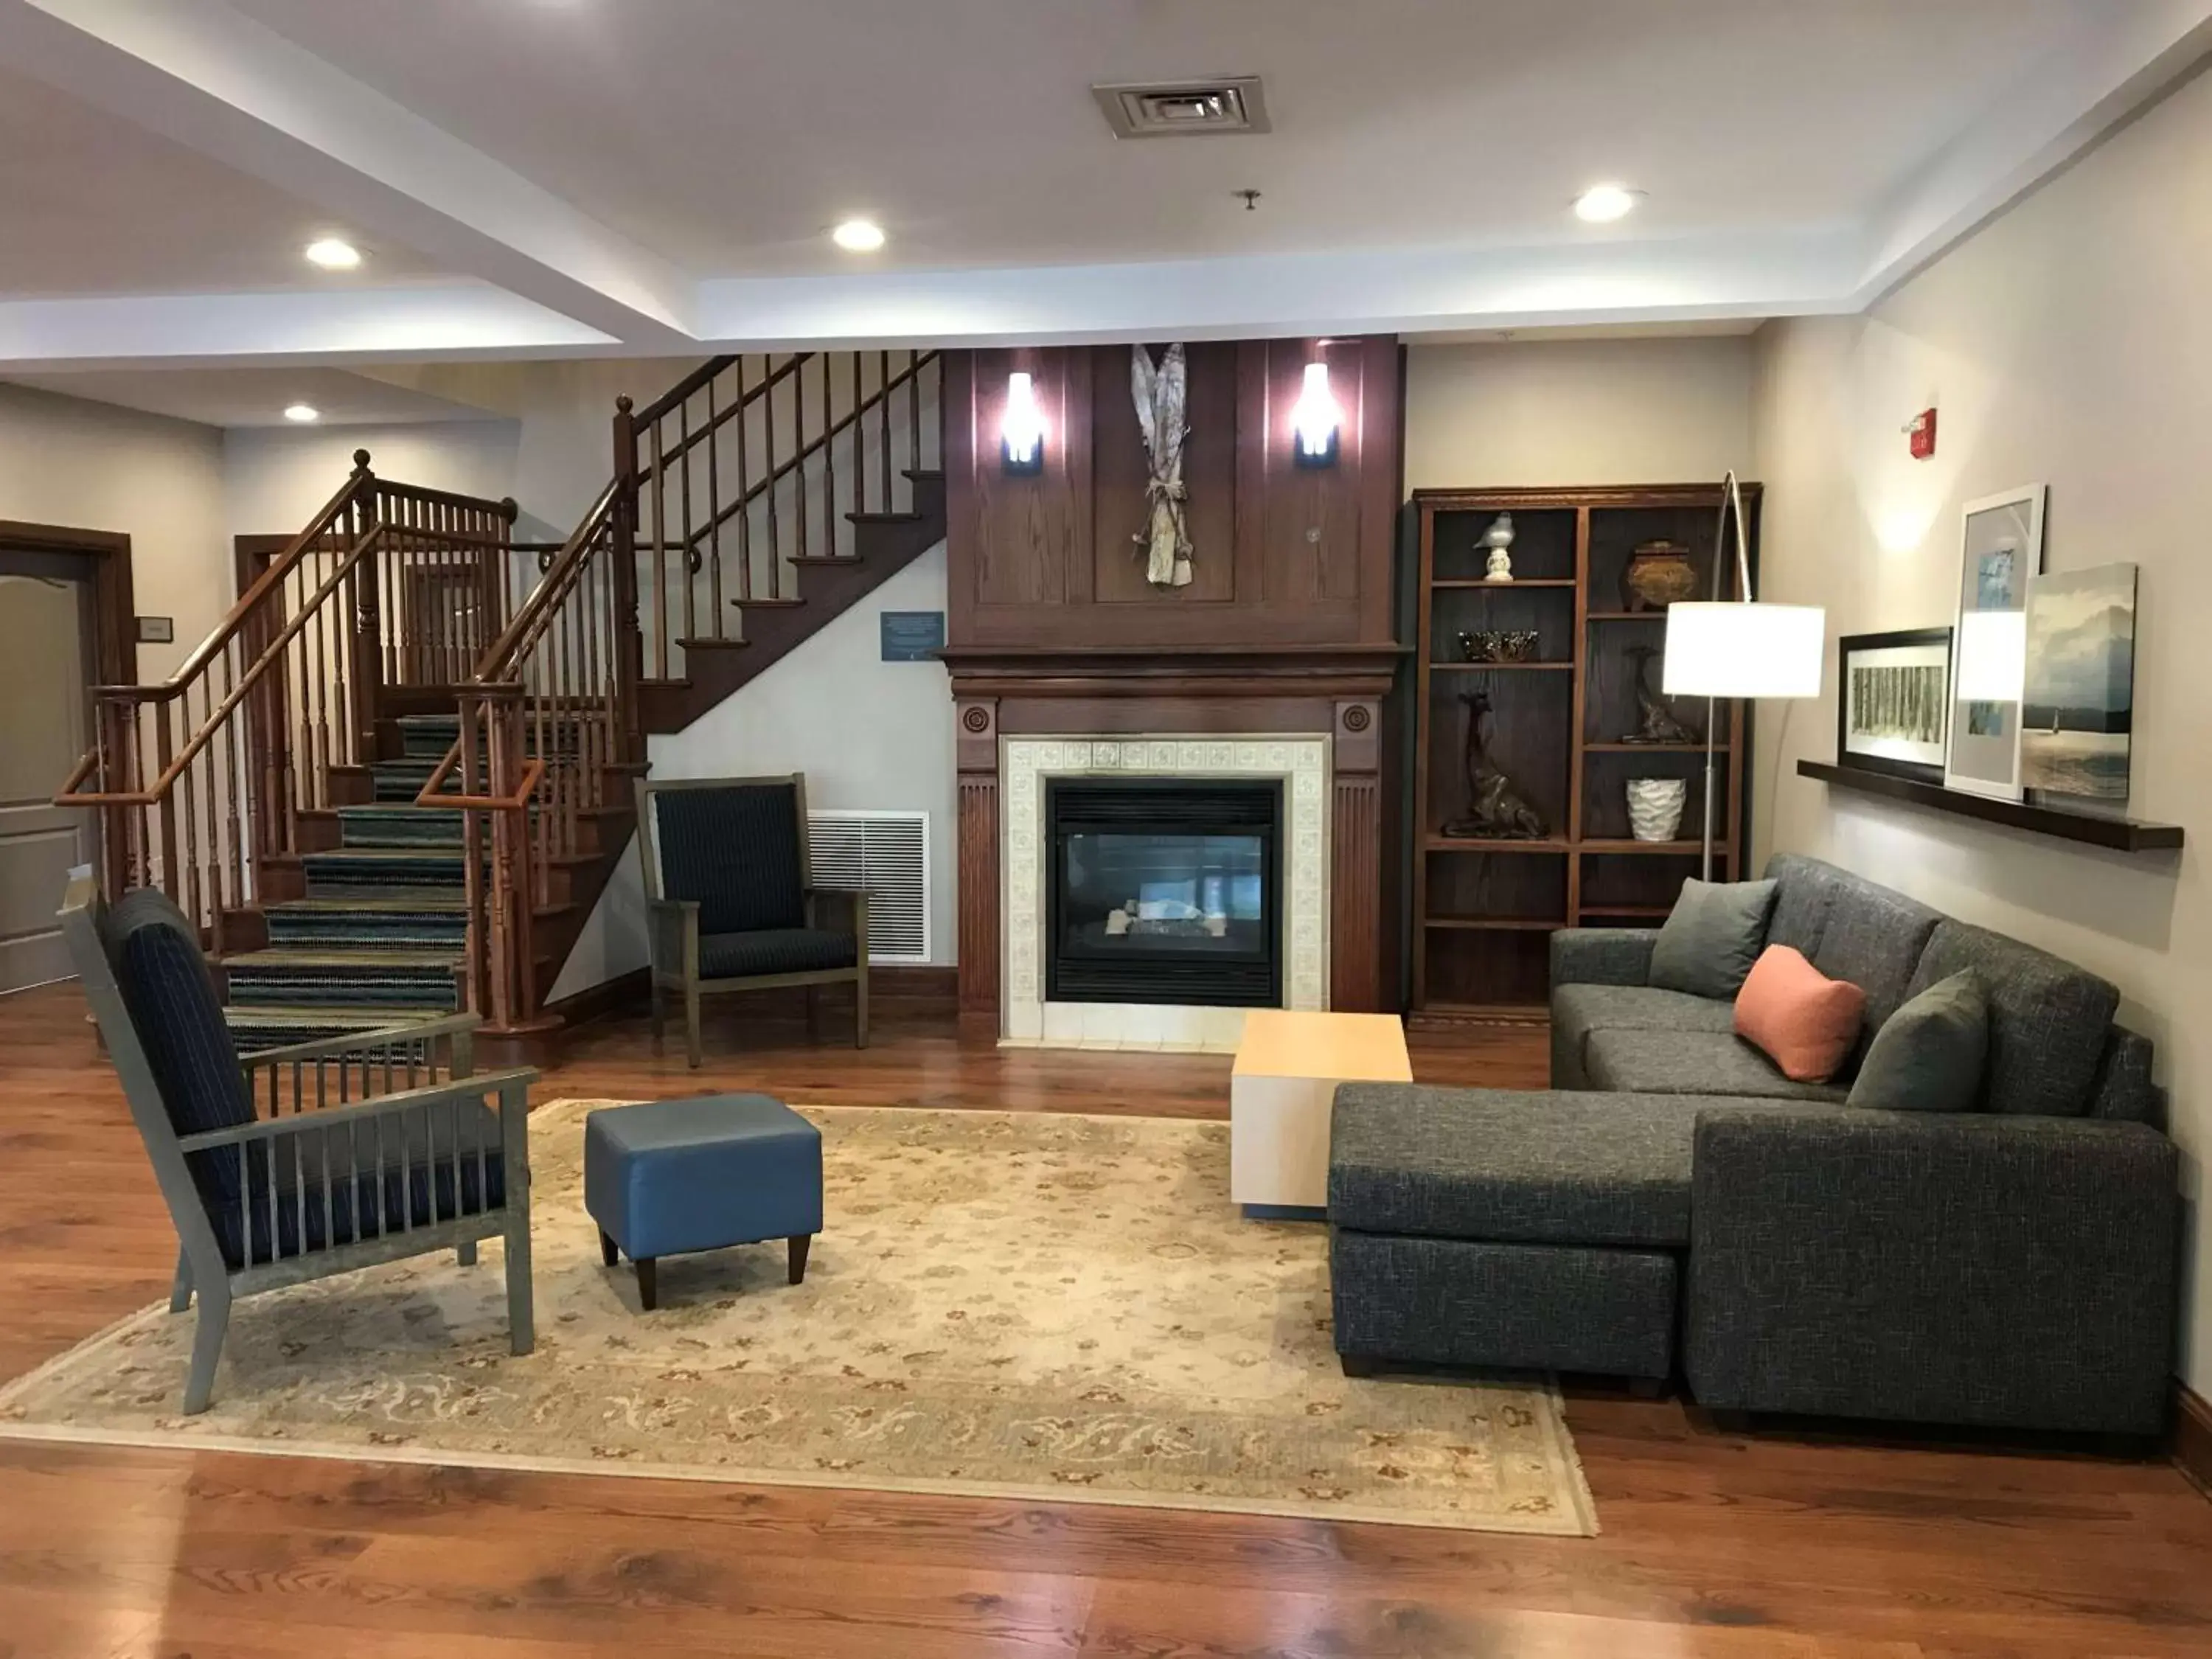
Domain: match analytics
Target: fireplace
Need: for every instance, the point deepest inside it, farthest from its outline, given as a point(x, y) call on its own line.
point(1165, 890)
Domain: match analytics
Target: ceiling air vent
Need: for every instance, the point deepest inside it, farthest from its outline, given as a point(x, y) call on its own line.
point(1173, 109)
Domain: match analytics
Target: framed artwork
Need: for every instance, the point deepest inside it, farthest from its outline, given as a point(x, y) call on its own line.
point(1894, 701)
point(2078, 717)
point(2001, 553)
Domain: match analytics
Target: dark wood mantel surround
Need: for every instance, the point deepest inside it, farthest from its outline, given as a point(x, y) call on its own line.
point(1286, 626)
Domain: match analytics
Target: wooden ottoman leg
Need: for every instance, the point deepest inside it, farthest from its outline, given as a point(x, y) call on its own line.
point(608, 1253)
point(798, 1243)
point(648, 1284)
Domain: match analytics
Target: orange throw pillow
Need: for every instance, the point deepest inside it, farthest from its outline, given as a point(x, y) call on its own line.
point(1803, 1021)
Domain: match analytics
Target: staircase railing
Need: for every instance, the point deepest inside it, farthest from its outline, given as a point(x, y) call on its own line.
point(724, 487)
point(203, 783)
point(744, 471)
point(547, 721)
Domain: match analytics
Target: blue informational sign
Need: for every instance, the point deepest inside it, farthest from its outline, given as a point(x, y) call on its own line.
point(912, 635)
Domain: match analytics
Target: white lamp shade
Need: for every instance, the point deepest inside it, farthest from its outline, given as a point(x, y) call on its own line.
point(1734, 649)
point(1992, 656)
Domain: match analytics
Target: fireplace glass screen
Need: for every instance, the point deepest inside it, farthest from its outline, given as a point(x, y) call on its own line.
point(1165, 890)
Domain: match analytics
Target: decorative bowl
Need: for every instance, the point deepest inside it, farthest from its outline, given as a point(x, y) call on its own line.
point(1498, 645)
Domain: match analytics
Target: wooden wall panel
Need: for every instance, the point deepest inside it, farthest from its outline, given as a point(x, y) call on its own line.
point(1282, 554)
point(977, 760)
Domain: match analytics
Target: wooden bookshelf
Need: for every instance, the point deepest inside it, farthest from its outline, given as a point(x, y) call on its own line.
point(1484, 910)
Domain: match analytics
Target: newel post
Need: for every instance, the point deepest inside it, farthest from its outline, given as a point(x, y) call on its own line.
point(629, 643)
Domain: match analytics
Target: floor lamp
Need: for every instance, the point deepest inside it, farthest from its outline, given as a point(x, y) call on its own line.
point(1739, 649)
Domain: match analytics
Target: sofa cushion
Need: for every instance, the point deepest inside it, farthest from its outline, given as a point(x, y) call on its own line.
point(2047, 1019)
point(1807, 889)
point(1509, 1164)
point(734, 848)
point(1712, 937)
point(179, 1022)
point(1928, 1056)
point(775, 950)
point(1718, 1063)
point(2126, 1090)
point(1806, 1022)
point(1873, 938)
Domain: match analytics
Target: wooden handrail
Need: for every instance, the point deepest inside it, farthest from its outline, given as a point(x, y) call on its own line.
point(685, 387)
point(507, 508)
point(252, 675)
point(785, 468)
point(720, 419)
point(497, 658)
point(279, 567)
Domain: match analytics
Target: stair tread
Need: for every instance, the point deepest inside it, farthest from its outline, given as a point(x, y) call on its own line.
point(870, 518)
point(766, 604)
point(849, 559)
point(336, 1013)
point(281, 957)
point(443, 900)
point(702, 645)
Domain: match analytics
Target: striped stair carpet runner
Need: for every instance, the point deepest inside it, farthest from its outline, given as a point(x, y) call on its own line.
point(381, 935)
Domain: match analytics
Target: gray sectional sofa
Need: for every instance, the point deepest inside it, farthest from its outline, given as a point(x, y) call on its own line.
point(1673, 1203)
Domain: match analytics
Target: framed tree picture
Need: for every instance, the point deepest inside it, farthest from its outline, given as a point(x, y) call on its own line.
point(2001, 552)
point(1893, 702)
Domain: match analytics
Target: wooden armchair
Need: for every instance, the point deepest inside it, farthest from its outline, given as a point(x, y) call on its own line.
point(731, 902)
point(288, 1165)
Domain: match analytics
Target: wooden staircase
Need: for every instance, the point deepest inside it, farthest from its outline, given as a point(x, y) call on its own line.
point(353, 852)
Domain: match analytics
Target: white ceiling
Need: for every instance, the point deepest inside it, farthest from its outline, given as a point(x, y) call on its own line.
point(256, 397)
point(728, 137)
point(89, 204)
point(569, 178)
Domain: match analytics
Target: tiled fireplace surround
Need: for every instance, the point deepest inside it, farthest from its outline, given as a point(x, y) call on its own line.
point(1025, 764)
point(1313, 719)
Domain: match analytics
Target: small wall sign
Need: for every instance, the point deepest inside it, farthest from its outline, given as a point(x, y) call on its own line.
point(157, 630)
point(912, 635)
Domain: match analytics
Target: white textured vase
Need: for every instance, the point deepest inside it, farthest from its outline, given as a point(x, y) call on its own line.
point(1655, 807)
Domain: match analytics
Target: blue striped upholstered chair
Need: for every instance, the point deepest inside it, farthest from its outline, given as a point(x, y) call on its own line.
point(731, 902)
point(287, 1165)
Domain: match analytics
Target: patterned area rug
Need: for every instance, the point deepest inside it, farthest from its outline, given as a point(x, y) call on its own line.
point(1012, 1304)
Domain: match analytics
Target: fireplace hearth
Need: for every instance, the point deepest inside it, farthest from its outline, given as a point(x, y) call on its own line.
point(1165, 890)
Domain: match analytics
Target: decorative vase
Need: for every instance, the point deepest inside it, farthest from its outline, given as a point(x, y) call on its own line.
point(1499, 538)
point(1658, 574)
point(1655, 807)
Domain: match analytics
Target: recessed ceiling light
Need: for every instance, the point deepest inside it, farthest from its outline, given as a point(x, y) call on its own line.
point(859, 236)
point(302, 413)
point(1601, 204)
point(332, 254)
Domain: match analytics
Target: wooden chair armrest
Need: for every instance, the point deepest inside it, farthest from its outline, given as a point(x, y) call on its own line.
point(515, 1082)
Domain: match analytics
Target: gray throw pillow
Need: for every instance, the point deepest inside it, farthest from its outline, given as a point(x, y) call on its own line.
point(1712, 937)
point(1928, 1056)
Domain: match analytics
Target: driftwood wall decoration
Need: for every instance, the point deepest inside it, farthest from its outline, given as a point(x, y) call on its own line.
point(1160, 394)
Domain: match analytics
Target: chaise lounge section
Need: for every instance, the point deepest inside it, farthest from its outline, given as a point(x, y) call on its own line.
point(1674, 1202)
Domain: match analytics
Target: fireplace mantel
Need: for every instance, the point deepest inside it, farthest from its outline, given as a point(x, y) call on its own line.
point(1194, 671)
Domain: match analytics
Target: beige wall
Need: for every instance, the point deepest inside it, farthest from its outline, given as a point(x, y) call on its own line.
point(1537, 412)
point(92, 466)
point(2068, 343)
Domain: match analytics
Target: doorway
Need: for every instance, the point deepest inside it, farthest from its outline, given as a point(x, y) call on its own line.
point(64, 617)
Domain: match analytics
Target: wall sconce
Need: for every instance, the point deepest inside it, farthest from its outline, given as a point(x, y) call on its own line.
point(1315, 419)
point(1021, 428)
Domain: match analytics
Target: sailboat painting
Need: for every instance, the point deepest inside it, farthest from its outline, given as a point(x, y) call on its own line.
point(2078, 721)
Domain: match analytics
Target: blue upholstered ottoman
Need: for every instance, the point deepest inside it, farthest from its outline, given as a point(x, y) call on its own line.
point(671, 1176)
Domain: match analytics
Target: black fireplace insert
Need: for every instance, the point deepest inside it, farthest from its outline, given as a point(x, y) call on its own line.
point(1165, 889)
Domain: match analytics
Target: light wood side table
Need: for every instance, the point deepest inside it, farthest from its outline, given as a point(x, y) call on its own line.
point(1287, 1069)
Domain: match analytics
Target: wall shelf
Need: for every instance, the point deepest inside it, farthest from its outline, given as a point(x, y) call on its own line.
point(2116, 834)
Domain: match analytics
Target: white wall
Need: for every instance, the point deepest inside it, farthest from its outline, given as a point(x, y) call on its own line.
point(868, 734)
point(92, 466)
point(277, 478)
point(2068, 342)
point(1527, 413)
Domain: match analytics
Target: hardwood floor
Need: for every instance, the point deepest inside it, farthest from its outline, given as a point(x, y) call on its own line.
point(1716, 1546)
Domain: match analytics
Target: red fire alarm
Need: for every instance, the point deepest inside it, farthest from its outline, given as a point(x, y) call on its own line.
point(1920, 432)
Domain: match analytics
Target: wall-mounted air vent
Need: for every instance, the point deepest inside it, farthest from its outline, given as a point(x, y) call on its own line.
point(887, 853)
point(1172, 109)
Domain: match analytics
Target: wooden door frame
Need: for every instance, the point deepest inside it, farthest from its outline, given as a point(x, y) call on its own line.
point(114, 616)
